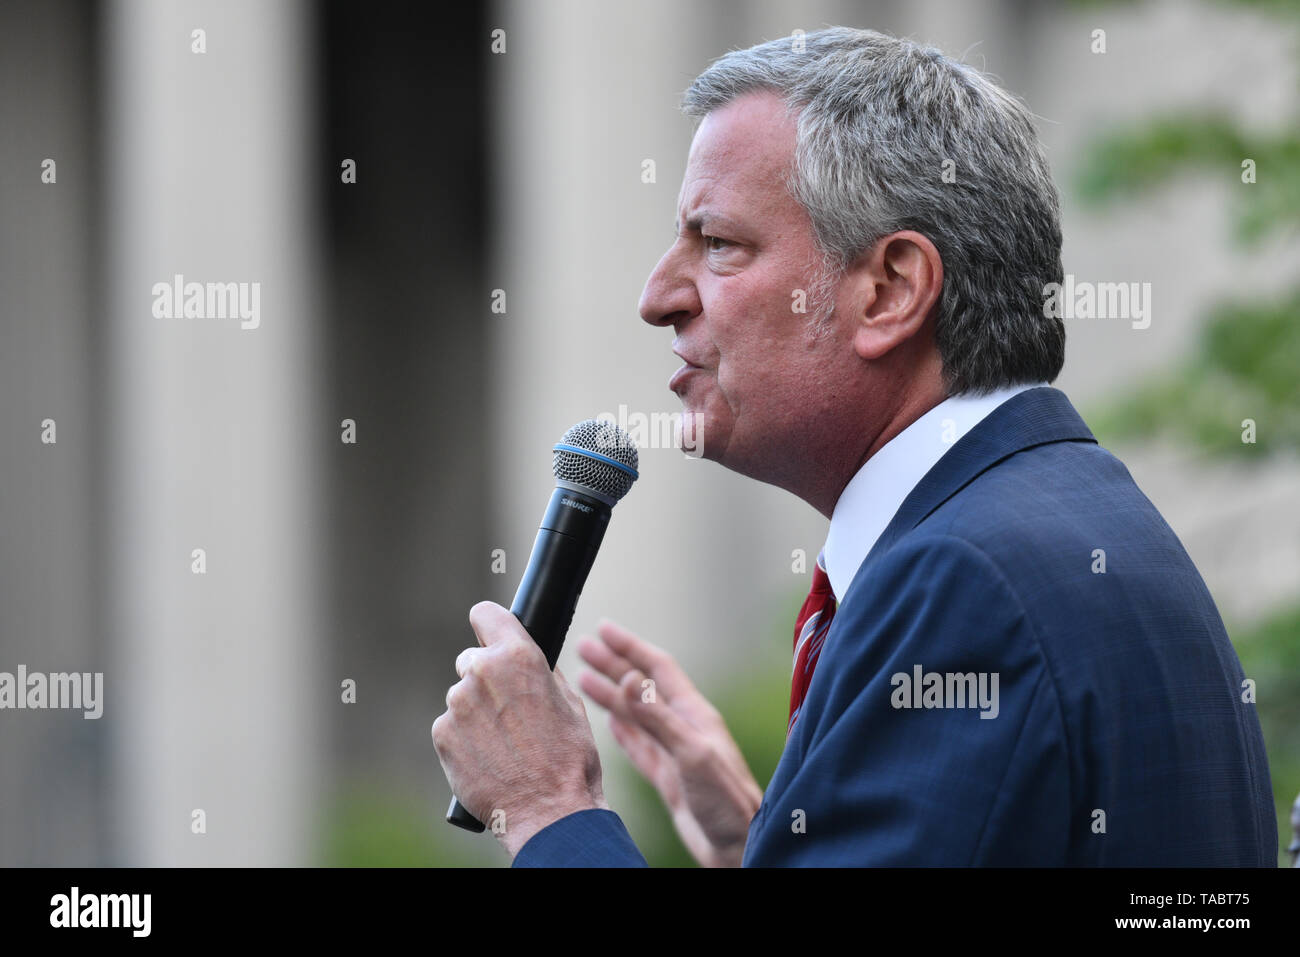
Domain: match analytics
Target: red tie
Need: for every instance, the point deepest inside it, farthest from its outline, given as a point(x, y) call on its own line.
point(809, 635)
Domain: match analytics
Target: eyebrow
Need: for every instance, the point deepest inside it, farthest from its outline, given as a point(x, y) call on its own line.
point(707, 218)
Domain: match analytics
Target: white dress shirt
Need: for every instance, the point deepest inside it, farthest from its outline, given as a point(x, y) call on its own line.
point(873, 496)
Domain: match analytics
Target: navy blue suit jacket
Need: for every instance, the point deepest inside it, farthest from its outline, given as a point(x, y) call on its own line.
point(1121, 737)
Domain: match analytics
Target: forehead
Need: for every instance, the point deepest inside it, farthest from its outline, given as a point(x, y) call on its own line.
point(742, 153)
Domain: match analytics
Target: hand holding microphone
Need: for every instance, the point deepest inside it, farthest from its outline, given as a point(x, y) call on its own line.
point(513, 734)
point(515, 741)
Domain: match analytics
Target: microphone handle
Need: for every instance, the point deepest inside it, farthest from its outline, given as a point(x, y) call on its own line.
point(562, 556)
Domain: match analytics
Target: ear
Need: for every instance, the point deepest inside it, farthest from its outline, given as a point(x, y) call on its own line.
point(901, 277)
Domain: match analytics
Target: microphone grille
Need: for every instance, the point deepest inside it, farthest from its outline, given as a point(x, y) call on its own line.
point(599, 456)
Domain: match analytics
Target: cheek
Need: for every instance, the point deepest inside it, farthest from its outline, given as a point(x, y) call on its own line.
point(756, 336)
point(749, 381)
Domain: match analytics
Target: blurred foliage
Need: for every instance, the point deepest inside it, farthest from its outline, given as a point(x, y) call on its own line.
point(372, 827)
point(1278, 8)
point(1246, 366)
point(1270, 654)
point(1131, 162)
point(1247, 361)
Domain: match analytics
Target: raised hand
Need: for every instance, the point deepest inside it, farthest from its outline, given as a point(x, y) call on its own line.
point(676, 739)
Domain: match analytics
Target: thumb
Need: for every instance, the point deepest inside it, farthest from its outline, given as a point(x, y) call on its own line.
point(492, 624)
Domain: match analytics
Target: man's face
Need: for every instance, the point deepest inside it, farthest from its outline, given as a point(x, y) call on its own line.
point(756, 377)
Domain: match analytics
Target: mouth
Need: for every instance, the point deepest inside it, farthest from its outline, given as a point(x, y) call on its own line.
point(678, 381)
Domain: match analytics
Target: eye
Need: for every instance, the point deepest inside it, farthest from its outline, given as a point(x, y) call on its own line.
point(716, 243)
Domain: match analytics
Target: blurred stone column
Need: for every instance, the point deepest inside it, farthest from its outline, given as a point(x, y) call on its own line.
point(212, 435)
point(51, 783)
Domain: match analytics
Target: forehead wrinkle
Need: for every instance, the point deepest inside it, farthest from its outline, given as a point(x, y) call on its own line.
point(745, 157)
point(754, 188)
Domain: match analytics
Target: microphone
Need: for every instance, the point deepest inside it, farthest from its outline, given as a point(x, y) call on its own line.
point(595, 466)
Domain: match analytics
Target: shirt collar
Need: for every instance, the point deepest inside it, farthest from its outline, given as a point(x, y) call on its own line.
point(868, 503)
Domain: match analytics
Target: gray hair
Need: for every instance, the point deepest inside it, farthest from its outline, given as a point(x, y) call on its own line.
point(878, 117)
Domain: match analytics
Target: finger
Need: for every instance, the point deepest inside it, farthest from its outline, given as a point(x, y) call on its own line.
point(601, 690)
point(602, 655)
point(603, 658)
point(651, 659)
point(642, 750)
point(612, 697)
point(651, 723)
point(679, 738)
point(493, 624)
point(604, 687)
point(465, 660)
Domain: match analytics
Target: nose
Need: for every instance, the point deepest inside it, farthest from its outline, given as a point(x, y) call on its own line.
point(669, 296)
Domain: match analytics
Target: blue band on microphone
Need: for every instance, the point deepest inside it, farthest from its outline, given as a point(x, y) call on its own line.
point(561, 447)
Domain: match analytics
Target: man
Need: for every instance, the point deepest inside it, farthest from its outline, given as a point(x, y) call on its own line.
point(1006, 657)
